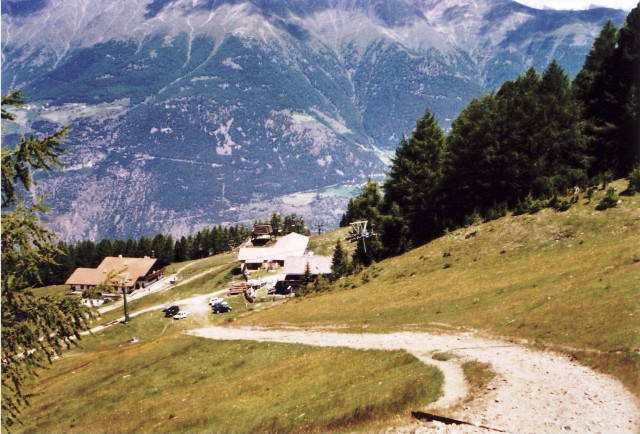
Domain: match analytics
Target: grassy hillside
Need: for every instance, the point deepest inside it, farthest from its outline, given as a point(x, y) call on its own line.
point(170, 382)
point(564, 280)
point(568, 281)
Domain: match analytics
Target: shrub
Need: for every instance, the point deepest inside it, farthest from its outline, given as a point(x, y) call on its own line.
point(559, 205)
point(610, 200)
point(563, 206)
point(473, 219)
point(536, 206)
point(495, 212)
point(634, 181)
point(523, 206)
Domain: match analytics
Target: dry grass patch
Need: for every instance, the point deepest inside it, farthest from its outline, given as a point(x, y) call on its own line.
point(478, 376)
point(176, 383)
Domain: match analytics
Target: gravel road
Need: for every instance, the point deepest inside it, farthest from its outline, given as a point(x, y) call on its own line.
point(533, 392)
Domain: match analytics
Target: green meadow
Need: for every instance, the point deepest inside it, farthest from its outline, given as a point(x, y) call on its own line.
point(563, 281)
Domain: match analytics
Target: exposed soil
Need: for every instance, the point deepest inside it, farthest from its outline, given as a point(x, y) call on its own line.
point(533, 391)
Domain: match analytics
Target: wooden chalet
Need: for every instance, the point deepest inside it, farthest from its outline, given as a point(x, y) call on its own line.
point(118, 272)
point(261, 234)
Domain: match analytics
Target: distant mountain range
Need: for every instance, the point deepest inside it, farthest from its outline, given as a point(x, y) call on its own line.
point(191, 113)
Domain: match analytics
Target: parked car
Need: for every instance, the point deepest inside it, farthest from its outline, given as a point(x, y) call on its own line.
point(181, 315)
point(171, 311)
point(222, 307)
point(215, 300)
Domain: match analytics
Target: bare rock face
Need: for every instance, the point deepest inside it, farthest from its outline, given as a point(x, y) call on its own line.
point(187, 114)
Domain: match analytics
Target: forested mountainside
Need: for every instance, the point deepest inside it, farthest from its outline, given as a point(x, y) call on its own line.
point(187, 114)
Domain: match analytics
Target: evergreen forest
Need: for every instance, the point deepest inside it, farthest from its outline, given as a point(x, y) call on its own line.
point(533, 143)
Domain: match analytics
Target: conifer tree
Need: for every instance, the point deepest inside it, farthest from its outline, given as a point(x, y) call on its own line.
point(609, 89)
point(524, 140)
point(599, 55)
point(276, 223)
point(340, 263)
point(366, 206)
point(626, 70)
point(472, 148)
point(180, 250)
point(34, 329)
point(560, 135)
point(590, 87)
point(414, 178)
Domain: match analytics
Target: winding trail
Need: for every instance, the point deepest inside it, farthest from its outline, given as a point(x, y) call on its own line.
point(533, 392)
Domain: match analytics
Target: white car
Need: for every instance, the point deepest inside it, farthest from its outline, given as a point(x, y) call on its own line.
point(215, 300)
point(181, 315)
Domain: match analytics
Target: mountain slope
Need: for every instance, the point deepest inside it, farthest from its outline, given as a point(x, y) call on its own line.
point(192, 113)
point(552, 279)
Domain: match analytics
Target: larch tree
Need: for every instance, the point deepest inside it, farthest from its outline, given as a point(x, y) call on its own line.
point(472, 147)
point(340, 265)
point(608, 87)
point(626, 69)
point(414, 177)
point(560, 134)
point(590, 88)
point(34, 329)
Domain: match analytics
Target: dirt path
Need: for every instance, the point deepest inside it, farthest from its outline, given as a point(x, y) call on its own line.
point(533, 392)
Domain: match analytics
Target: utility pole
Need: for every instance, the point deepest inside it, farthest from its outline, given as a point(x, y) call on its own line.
point(124, 299)
point(319, 226)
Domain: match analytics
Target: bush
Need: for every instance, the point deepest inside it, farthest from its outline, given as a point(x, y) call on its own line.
point(495, 212)
point(559, 205)
point(634, 181)
point(609, 201)
point(563, 206)
point(523, 206)
point(536, 206)
point(473, 219)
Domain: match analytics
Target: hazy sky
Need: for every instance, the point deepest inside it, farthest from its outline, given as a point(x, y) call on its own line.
point(579, 4)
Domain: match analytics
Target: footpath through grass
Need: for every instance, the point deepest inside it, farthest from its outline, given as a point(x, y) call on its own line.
point(169, 382)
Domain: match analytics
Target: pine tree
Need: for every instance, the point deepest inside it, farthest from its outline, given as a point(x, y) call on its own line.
point(525, 140)
point(340, 263)
point(590, 87)
point(415, 176)
point(609, 89)
point(367, 205)
point(560, 135)
point(470, 172)
point(180, 250)
point(294, 223)
point(276, 223)
point(395, 235)
point(34, 329)
point(626, 70)
point(103, 249)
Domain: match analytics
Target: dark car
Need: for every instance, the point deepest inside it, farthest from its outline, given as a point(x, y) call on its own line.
point(171, 311)
point(221, 307)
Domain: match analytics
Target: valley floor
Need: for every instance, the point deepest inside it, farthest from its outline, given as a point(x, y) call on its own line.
point(532, 392)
